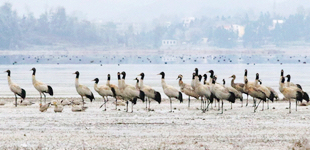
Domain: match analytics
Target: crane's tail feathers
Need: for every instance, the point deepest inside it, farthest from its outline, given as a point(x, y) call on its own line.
point(23, 94)
point(211, 98)
point(299, 96)
point(271, 96)
point(306, 96)
point(113, 91)
point(232, 97)
point(91, 97)
point(142, 96)
point(299, 86)
point(134, 100)
point(180, 97)
point(50, 90)
point(157, 97)
point(241, 98)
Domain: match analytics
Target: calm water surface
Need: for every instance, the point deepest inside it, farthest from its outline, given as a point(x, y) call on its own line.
point(62, 79)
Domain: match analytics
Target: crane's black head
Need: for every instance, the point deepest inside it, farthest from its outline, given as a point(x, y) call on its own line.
point(224, 82)
point(245, 72)
point(196, 71)
point(142, 75)
point(282, 73)
point(9, 72)
point(118, 75)
point(124, 75)
point(246, 81)
point(288, 77)
point(211, 73)
point(137, 80)
point(34, 71)
point(180, 76)
point(162, 75)
point(205, 76)
point(77, 74)
point(260, 81)
point(199, 77)
point(283, 80)
point(96, 80)
point(257, 76)
point(109, 77)
point(213, 80)
point(194, 75)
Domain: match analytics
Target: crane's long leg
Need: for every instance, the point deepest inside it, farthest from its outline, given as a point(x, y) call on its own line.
point(296, 104)
point(149, 105)
point(254, 102)
point(40, 98)
point(257, 106)
point(289, 105)
point(201, 104)
point(247, 100)
point(15, 100)
point(44, 98)
point(131, 107)
point(82, 102)
point(127, 106)
point(222, 107)
point(146, 104)
point(263, 105)
point(115, 103)
point(267, 104)
point(204, 104)
point(105, 104)
point(189, 101)
point(231, 105)
point(170, 105)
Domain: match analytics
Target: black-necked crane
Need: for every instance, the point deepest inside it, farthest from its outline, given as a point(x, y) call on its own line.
point(212, 76)
point(276, 96)
point(130, 93)
point(170, 91)
point(237, 86)
point(82, 89)
point(249, 84)
point(268, 93)
point(15, 88)
point(187, 89)
point(290, 93)
point(150, 93)
point(204, 91)
point(222, 93)
point(104, 91)
point(205, 77)
point(237, 93)
point(41, 87)
point(289, 83)
point(305, 95)
point(137, 84)
point(115, 89)
point(254, 92)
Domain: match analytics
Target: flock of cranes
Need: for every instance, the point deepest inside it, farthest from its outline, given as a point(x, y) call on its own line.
point(207, 91)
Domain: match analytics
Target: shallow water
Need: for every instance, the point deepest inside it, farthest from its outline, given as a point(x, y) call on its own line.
point(62, 79)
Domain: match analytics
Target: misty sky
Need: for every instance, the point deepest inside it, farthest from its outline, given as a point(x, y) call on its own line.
point(146, 10)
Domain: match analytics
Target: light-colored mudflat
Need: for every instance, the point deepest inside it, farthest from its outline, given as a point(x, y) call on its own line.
point(239, 128)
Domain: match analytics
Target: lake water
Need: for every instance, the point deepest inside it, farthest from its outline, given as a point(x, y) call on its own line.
point(62, 79)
